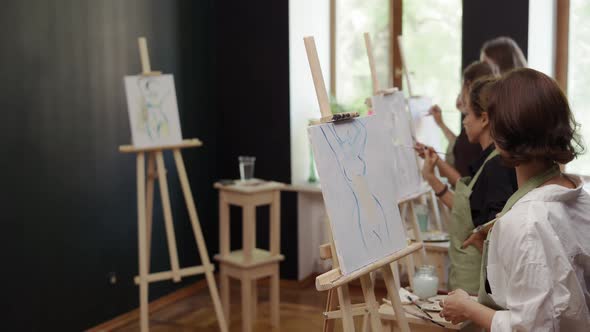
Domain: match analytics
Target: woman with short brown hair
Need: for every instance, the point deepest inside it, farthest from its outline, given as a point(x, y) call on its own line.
point(536, 264)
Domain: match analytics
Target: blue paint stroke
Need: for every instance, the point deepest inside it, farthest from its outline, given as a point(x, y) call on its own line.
point(355, 142)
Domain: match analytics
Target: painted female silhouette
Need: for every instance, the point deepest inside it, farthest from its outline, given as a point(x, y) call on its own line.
point(348, 142)
point(152, 118)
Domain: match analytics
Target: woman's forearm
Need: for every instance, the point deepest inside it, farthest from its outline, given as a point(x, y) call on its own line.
point(438, 186)
point(448, 172)
point(480, 314)
point(451, 137)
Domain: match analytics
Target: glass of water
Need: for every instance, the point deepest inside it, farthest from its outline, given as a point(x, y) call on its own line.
point(246, 167)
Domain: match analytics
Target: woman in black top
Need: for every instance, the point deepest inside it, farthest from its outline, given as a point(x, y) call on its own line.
point(490, 191)
point(477, 198)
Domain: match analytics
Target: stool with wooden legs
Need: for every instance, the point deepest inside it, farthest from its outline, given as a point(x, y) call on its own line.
point(250, 263)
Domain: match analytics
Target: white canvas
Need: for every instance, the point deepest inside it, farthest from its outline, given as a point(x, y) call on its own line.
point(398, 123)
point(153, 111)
point(355, 163)
point(427, 132)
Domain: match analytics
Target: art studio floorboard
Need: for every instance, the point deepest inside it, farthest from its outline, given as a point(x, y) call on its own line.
point(301, 310)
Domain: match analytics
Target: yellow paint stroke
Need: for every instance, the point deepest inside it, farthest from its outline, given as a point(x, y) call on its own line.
point(366, 201)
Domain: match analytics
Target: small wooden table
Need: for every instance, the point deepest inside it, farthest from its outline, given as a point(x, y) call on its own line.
point(250, 263)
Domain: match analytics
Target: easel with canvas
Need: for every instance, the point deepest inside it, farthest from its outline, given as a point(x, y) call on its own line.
point(407, 204)
point(439, 252)
point(335, 278)
point(156, 170)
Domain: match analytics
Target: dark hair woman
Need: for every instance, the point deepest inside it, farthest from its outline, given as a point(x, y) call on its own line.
point(536, 265)
point(504, 53)
point(461, 154)
point(501, 54)
point(478, 197)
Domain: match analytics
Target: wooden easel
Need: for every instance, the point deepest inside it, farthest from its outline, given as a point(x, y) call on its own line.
point(376, 91)
point(334, 279)
point(433, 199)
point(402, 54)
point(157, 170)
point(406, 205)
point(408, 202)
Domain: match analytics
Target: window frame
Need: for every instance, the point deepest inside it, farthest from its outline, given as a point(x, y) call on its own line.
point(562, 43)
point(395, 26)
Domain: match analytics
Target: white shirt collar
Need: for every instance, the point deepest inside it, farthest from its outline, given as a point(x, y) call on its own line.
point(554, 192)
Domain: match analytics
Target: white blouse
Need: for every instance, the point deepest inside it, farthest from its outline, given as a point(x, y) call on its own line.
point(539, 262)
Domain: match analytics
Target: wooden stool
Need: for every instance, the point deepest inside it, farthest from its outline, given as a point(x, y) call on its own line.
point(250, 263)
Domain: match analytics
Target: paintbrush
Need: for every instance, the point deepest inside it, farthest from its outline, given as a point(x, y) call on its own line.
point(429, 114)
point(416, 315)
point(413, 148)
point(425, 318)
point(419, 307)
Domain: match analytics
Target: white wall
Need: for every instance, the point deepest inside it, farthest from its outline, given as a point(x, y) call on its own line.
point(306, 18)
point(541, 52)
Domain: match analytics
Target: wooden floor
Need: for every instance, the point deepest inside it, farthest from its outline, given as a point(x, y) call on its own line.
point(301, 310)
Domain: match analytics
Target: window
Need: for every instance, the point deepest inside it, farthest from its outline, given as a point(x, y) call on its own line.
point(431, 30)
point(432, 45)
point(579, 77)
point(352, 75)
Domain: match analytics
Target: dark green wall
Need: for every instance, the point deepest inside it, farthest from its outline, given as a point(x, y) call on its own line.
point(252, 103)
point(69, 201)
point(484, 20)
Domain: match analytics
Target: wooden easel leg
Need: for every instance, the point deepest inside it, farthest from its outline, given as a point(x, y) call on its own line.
point(332, 294)
point(368, 287)
point(170, 237)
point(142, 237)
point(411, 269)
point(225, 291)
point(151, 176)
point(387, 326)
point(215, 296)
point(366, 327)
point(246, 284)
point(395, 268)
point(393, 295)
point(346, 308)
point(224, 249)
point(436, 210)
point(330, 305)
point(192, 212)
point(275, 305)
point(417, 233)
point(403, 211)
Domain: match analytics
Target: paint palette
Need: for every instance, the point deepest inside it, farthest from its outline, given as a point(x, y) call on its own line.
point(435, 237)
point(431, 306)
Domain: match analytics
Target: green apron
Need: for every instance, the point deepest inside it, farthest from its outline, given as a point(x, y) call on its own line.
point(465, 263)
point(483, 296)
